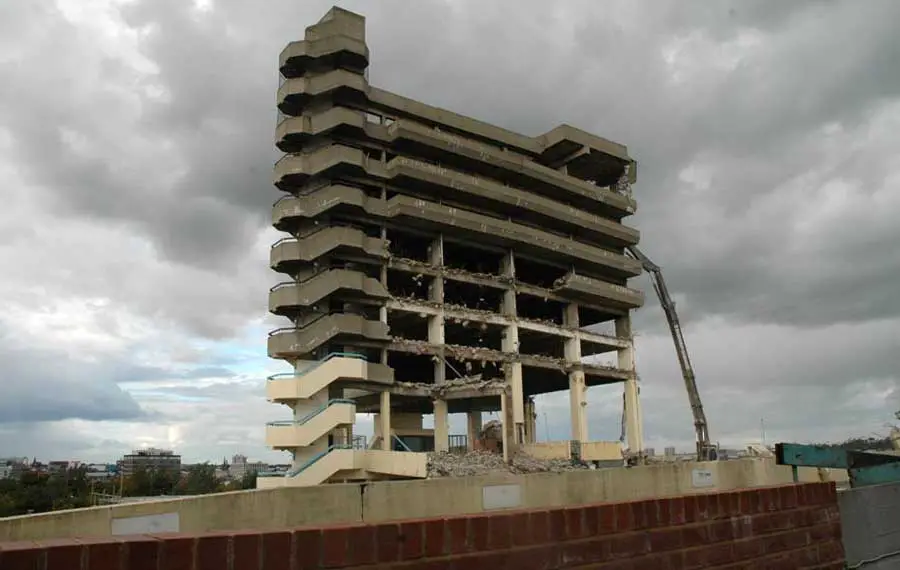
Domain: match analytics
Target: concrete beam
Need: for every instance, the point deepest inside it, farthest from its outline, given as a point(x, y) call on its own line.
point(599, 289)
point(475, 353)
point(466, 314)
point(299, 343)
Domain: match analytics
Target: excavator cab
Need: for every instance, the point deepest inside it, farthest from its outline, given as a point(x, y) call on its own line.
point(707, 453)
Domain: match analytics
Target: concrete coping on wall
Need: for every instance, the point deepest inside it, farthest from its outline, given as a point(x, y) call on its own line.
point(788, 526)
point(397, 500)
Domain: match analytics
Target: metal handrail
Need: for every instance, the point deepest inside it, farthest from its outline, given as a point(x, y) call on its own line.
point(312, 414)
point(305, 326)
point(284, 284)
point(312, 366)
point(322, 271)
point(271, 473)
point(401, 442)
point(300, 281)
point(317, 457)
point(294, 194)
point(315, 231)
point(283, 158)
point(290, 155)
point(283, 240)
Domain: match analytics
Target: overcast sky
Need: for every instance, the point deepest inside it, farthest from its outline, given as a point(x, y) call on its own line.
point(136, 147)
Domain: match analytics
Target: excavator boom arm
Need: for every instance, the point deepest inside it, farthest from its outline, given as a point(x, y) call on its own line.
point(687, 370)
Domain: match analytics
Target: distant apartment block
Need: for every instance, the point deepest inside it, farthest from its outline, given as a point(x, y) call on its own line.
point(437, 264)
point(150, 459)
point(13, 467)
point(61, 467)
point(240, 467)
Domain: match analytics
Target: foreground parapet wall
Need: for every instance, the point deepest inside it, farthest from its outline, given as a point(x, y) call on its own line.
point(395, 500)
point(787, 527)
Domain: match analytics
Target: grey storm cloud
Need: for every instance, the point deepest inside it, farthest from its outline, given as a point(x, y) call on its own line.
point(43, 385)
point(751, 125)
point(766, 136)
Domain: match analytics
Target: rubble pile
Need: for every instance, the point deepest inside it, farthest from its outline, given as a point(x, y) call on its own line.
point(483, 463)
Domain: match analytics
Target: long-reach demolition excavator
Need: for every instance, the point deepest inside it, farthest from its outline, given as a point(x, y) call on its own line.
point(706, 451)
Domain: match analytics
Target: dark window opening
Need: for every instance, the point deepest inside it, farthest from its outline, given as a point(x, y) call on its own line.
point(472, 296)
point(483, 369)
point(600, 322)
point(540, 344)
point(537, 274)
point(471, 259)
point(538, 309)
point(408, 326)
point(414, 443)
point(408, 367)
point(472, 333)
point(409, 246)
point(408, 285)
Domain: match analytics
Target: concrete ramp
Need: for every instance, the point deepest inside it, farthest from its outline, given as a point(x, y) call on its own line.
point(321, 468)
point(306, 431)
point(336, 368)
point(343, 49)
point(311, 432)
point(343, 463)
point(294, 93)
point(310, 247)
point(290, 296)
point(299, 343)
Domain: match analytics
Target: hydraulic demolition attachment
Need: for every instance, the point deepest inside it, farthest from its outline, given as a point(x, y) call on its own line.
point(705, 450)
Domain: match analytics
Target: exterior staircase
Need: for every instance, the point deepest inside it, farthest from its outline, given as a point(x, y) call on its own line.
point(319, 436)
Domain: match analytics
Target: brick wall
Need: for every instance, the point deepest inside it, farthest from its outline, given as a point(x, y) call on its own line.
point(788, 527)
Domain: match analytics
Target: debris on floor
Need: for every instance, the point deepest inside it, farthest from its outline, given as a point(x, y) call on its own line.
point(484, 463)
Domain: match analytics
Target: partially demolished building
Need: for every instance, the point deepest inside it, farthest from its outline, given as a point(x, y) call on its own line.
point(435, 264)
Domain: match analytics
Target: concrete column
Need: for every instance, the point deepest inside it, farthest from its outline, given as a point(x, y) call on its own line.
point(441, 426)
point(382, 311)
point(512, 370)
point(436, 338)
point(577, 387)
point(473, 428)
point(384, 420)
point(436, 294)
point(530, 421)
point(634, 429)
point(504, 412)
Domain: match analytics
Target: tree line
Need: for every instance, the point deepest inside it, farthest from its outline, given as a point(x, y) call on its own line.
point(34, 492)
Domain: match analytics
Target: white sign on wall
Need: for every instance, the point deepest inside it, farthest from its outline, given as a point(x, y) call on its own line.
point(701, 478)
point(501, 497)
point(166, 522)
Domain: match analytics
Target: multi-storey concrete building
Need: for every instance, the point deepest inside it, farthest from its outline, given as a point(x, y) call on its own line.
point(436, 264)
point(150, 459)
point(240, 467)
